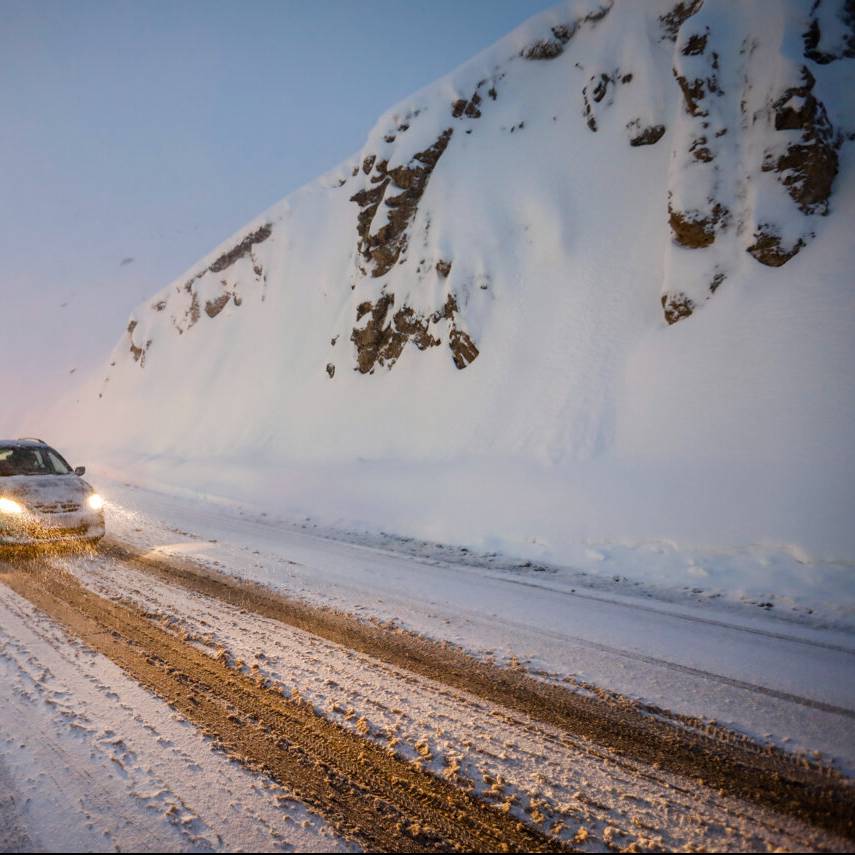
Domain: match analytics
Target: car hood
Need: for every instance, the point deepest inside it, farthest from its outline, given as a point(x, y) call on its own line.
point(44, 488)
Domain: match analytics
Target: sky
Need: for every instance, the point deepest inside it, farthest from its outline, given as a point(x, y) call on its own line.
point(153, 130)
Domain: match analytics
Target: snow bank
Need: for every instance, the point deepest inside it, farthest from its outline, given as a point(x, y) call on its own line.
point(593, 286)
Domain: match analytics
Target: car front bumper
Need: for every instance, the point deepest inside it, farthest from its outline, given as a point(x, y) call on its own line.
point(31, 529)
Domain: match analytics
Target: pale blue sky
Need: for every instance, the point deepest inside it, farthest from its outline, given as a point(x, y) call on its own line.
point(154, 129)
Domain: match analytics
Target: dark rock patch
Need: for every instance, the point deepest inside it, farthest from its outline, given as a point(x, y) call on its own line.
point(545, 49)
point(443, 268)
point(700, 150)
point(214, 307)
point(696, 44)
point(767, 247)
point(461, 107)
point(648, 136)
point(673, 20)
point(381, 341)
point(227, 259)
point(812, 37)
point(551, 48)
point(138, 353)
point(716, 282)
point(692, 229)
point(694, 92)
point(331, 370)
point(676, 307)
point(808, 167)
point(382, 249)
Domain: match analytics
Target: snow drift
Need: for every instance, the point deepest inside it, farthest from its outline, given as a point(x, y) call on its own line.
point(594, 285)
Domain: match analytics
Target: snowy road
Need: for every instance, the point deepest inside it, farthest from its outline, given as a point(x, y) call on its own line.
point(777, 679)
point(91, 758)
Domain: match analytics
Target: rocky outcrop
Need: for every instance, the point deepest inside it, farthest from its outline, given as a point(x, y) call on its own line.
point(385, 333)
point(676, 307)
point(671, 21)
point(809, 165)
point(550, 48)
point(242, 249)
point(644, 136)
point(768, 248)
point(469, 109)
point(138, 353)
point(380, 250)
point(814, 47)
point(694, 229)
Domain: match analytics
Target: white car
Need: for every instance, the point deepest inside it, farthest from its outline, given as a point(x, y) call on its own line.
point(44, 500)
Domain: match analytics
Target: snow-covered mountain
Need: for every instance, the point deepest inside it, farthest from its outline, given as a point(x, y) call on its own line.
point(594, 284)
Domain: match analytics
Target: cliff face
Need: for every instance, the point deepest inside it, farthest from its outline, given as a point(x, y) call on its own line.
point(618, 234)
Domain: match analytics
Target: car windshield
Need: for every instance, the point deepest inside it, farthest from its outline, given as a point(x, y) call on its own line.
point(35, 460)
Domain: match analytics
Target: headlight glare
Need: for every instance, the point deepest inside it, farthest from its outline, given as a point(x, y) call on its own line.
point(95, 502)
point(7, 506)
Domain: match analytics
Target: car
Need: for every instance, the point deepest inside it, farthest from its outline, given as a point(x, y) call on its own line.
point(43, 500)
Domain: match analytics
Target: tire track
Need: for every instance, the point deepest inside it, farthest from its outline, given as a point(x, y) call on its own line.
point(368, 794)
point(725, 761)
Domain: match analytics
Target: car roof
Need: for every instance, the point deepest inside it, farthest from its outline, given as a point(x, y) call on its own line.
point(23, 443)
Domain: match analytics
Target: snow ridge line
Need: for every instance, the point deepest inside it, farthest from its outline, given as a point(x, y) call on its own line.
point(683, 745)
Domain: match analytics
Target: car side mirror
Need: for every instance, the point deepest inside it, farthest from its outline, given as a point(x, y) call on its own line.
point(80, 471)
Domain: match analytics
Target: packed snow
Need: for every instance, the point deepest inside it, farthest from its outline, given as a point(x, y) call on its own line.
point(781, 677)
point(92, 762)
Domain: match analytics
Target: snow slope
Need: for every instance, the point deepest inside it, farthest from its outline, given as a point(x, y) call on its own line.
point(594, 286)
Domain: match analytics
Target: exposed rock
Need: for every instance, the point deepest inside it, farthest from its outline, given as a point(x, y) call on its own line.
point(227, 259)
point(138, 354)
point(381, 343)
point(767, 247)
point(194, 312)
point(545, 49)
point(462, 107)
point(696, 44)
point(458, 107)
point(600, 88)
point(331, 370)
point(808, 167)
point(700, 150)
point(214, 307)
point(159, 306)
point(649, 136)
point(694, 230)
point(382, 340)
point(694, 92)
point(562, 33)
point(673, 20)
point(812, 37)
point(716, 282)
point(382, 249)
point(443, 268)
point(676, 307)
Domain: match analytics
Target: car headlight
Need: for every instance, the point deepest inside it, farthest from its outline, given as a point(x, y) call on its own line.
point(7, 506)
point(95, 502)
